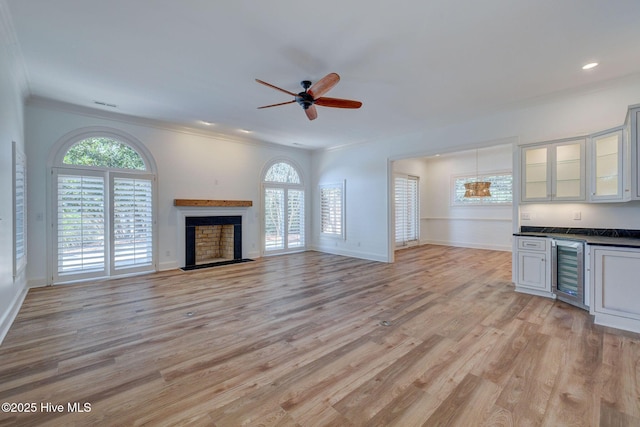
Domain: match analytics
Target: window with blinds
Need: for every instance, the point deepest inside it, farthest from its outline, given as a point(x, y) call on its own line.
point(80, 224)
point(132, 222)
point(332, 210)
point(407, 210)
point(501, 189)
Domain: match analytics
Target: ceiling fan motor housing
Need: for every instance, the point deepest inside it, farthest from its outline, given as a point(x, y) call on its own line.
point(305, 99)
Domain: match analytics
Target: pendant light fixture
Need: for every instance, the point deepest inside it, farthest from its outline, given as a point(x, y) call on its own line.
point(477, 188)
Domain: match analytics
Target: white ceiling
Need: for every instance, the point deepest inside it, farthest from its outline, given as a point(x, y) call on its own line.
point(414, 64)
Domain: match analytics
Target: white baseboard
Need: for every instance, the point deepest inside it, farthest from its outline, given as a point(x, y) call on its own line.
point(10, 315)
point(504, 248)
point(535, 292)
point(39, 282)
point(171, 265)
point(617, 322)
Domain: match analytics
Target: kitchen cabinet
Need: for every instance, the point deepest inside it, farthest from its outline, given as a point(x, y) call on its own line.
point(531, 257)
point(633, 131)
point(609, 179)
point(615, 287)
point(553, 171)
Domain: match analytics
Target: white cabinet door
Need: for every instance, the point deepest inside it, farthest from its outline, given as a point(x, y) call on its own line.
point(615, 273)
point(532, 272)
point(607, 167)
point(634, 142)
point(532, 268)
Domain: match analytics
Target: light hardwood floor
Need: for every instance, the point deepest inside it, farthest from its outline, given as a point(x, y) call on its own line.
point(299, 340)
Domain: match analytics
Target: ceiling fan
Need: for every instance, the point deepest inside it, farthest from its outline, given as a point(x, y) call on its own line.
point(312, 96)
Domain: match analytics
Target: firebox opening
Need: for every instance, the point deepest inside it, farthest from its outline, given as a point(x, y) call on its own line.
point(214, 243)
point(213, 240)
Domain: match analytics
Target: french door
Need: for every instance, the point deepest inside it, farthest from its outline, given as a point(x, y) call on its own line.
point(283, 219)
point(103, 224)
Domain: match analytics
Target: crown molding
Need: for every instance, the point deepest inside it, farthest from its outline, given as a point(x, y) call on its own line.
point(52, 104)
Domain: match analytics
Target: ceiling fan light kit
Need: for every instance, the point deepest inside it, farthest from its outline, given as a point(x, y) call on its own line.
point(312, 96)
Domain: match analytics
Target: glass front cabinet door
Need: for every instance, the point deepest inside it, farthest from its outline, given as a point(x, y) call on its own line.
point(553, 171)
point(607, 181)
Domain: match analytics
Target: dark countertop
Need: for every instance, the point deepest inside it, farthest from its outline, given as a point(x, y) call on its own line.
point(624, 242)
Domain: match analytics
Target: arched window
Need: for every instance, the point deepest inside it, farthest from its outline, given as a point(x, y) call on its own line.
point(104, 197)
point(103, 152)
point(283, 201)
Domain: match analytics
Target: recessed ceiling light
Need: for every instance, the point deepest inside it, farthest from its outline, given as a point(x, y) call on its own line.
point(245, 131)
point(590, 66)
point(206, 123)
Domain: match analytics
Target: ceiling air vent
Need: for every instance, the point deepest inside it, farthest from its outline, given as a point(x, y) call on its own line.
point(105, 104)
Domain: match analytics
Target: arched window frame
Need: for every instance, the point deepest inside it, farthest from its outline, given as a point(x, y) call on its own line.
point(109, 176)
point(64, 144)
point(289, 189)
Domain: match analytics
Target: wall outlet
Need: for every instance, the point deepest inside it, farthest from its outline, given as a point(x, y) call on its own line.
point(525, 215)
point(577, 215)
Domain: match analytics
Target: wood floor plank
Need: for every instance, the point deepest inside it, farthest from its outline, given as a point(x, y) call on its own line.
point(439, 337)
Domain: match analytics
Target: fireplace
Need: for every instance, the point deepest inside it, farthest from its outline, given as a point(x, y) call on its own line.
point(212, 240)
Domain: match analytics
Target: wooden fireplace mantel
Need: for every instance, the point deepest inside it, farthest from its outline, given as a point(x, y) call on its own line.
point(212, 203)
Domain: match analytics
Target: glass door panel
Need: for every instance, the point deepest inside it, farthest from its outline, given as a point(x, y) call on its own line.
point(274, 219)
point(295, 218)
point(568, 171)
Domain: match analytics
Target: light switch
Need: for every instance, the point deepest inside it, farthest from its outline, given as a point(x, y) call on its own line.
point(577, 215)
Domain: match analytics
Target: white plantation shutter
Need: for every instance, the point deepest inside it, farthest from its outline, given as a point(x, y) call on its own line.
point(406, 209)
point(295, 206)
point(19, 211)
point(80, 224)
point(274, 218)
point(132, 223)
point(332, 210)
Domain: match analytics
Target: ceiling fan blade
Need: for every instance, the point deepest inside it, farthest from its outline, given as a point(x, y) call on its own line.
point(323, 85)
point(311, 112)
point(275, 105)
point(276, 87)
point(337, 103)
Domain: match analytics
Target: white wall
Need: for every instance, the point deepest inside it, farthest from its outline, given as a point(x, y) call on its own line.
point(190, 166)
point(12, 90)
point(566, 115)
point(485, 227)
point(366, 180)
point(592, 215)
